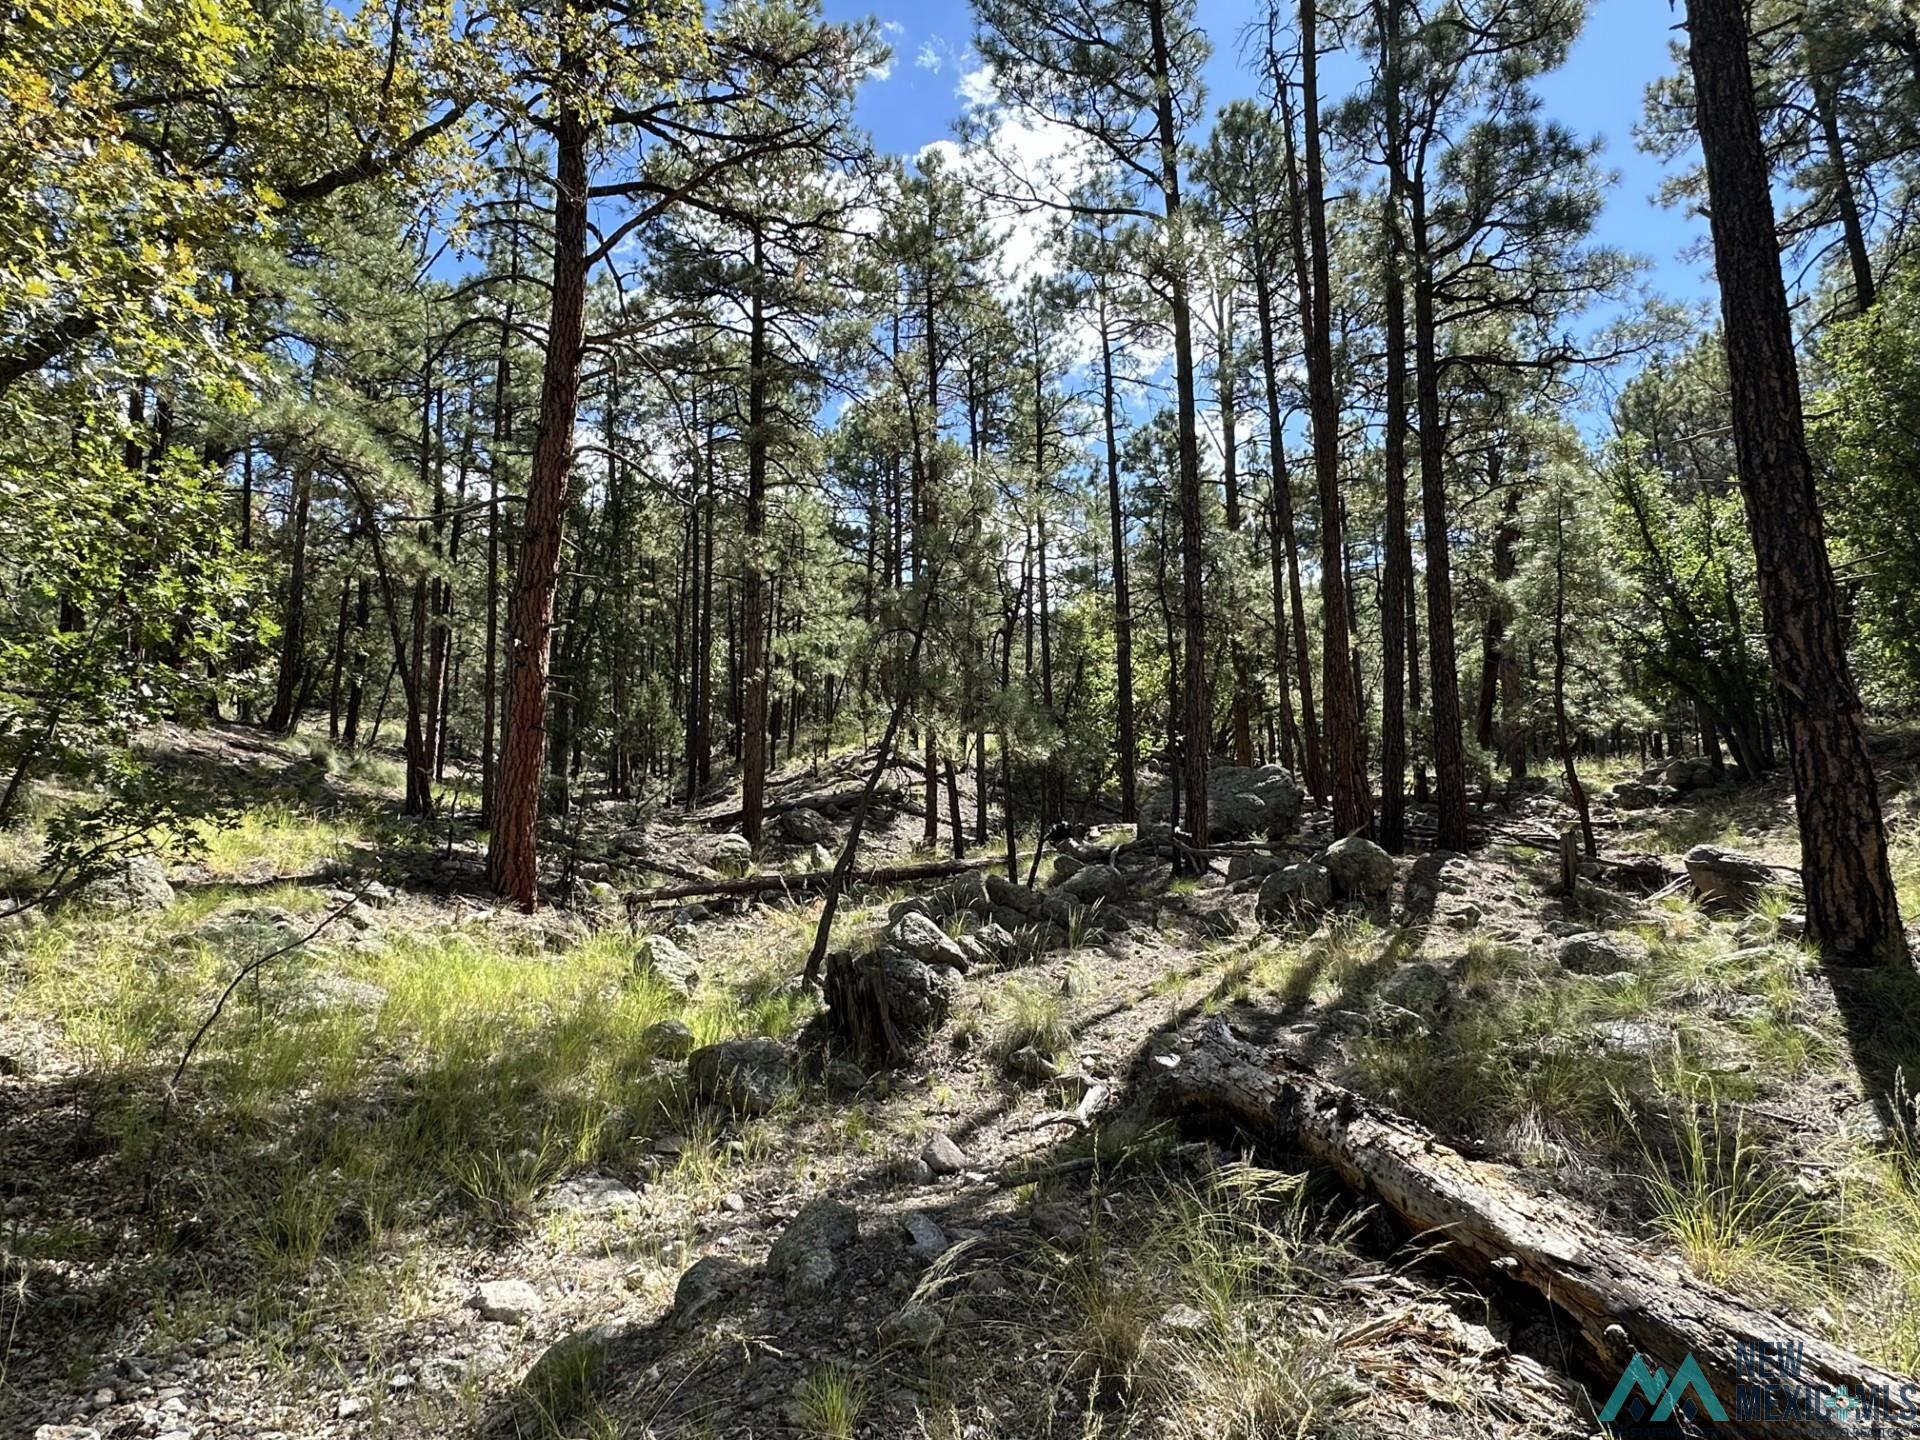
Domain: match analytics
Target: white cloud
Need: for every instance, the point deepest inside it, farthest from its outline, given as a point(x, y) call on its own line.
point(892, 27)
point(976, 86)
point(930, 57)
point(881, 71)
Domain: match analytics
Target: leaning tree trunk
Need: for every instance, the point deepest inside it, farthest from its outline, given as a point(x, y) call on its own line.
point(1852, 910)
point(513, 857)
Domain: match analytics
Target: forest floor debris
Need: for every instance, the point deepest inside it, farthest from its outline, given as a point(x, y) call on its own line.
point(442, 1172)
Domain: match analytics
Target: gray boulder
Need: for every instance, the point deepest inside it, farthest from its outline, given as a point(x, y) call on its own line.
point(747, 1076)
point(1635, 795)
point(660, 956)
point(917, 935)
point(1297, 892)
point(1360, 869)
point(807, 826)
point(731, 855)
point(1253, 867)
point(1244, 802)
point(806, 1257)
point(919, 996)
point(705, 1287)
point(997, 941)
point(926, 1241)
point(1597, 952)
point(137, 882)
point(1729, 877)
point(1092, 882)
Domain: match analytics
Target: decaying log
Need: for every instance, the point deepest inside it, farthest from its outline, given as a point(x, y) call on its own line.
point(1619, 1299)
point(807, 880)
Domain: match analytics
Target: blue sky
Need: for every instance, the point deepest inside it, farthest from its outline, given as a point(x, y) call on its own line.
point(1598, 92)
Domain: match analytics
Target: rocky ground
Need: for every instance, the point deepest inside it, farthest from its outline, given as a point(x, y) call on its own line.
point(444, 1169)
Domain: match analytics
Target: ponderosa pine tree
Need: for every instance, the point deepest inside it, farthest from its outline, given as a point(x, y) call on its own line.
point(1852, 911)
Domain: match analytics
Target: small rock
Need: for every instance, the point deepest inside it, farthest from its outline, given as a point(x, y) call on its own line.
point(350, 1406)
point(660, 956)
point(505, 1302)
point(944, 1157)
point(746, 1076)
point(591, 1195)
point(914, 1327)
point(1595, 952)
point(926, 1241)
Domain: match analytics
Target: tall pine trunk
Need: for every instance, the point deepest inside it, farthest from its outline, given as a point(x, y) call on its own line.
point(1449, 753)
point(1192, 547)
point(1352, 796)
point(1852, 911)
point(513, 857)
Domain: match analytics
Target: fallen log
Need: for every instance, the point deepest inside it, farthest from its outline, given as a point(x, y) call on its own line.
point(1621, 1300)
point(824, 802)
point(807, 880)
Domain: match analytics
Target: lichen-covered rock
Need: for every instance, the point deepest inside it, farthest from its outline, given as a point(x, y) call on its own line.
point(1599, 952)
point(1093, 882)
point(731, 855)
point(919, 996)
point(917, 935)
point(137, 882)
point(1244, 802)
point(1297, 892)
point(747, 1076)
point(658, 955)
point(1253, 867)
point(1729, 877)
point(1419, 987)
point(806, 826)
point(1360, 869)
point(806, 1257)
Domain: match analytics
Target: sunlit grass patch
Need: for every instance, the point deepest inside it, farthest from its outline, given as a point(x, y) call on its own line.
point(278, 839)
point(1736, 1220)
point(1030, 1014)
